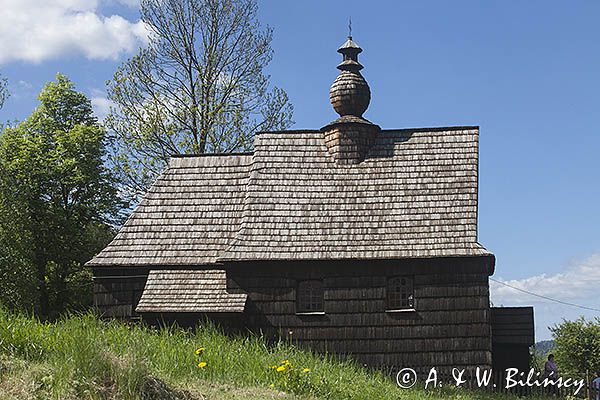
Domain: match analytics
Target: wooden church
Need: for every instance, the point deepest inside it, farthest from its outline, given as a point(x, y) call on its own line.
point(349, 239)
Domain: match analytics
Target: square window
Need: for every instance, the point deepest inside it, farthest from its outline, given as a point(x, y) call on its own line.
point(399, 293)
point(309, 296)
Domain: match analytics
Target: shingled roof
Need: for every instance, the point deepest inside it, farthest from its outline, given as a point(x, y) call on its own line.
point(188, 217)
point(414, 196)
point(203, 291)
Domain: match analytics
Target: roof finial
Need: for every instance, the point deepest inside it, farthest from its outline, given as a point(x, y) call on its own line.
point(350, 51)
point(349, 137)
point(350, 94)
point(350, 27)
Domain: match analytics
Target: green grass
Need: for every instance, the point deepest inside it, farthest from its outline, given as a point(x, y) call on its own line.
point(82, 357)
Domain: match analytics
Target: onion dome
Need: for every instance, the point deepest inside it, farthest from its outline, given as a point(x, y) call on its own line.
point(350, 93)
point(350, 137)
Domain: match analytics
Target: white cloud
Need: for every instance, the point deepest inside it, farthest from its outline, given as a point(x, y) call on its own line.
point(100, 103)
point(25, 84)
point(36, 30)
point(578, 284)
point(129, 3)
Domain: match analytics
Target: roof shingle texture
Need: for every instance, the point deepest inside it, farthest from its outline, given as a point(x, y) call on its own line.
point(414, 196)
point(189, 215)
point(203, 291)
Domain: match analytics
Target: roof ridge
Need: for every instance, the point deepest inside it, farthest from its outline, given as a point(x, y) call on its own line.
point(241, 153)
point(290, 131)
point(422, 129)
point(434, 129)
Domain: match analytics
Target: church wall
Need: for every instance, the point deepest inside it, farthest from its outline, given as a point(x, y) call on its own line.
point(118, 290)
point(450, 326)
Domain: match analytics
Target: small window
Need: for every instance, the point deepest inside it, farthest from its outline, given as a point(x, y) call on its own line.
point(400, 295)
point(309, 297)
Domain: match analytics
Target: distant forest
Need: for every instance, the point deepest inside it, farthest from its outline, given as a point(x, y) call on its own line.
point(544, 347)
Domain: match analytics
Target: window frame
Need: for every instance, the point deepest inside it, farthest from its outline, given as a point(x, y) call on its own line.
point(402, 299)
point(310, 294)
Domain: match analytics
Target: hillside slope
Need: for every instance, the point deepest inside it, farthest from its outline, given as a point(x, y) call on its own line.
point(83, 357)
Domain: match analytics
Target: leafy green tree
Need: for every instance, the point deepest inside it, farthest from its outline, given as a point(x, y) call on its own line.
point(58, 194)
point(199, 86)
point(577, 346)
point(18, 287)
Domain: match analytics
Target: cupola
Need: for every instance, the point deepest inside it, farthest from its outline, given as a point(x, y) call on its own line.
point(350, 137)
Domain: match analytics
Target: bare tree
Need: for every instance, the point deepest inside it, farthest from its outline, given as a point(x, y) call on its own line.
point(199, 86)
point(3, 91)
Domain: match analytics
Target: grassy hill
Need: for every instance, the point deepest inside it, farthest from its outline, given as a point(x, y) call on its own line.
point(81, 357)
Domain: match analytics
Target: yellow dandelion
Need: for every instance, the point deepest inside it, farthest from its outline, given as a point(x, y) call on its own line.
point(273, 367)
point(281, 369)
point(199, 350)
point(202, 364)
point(306, 370)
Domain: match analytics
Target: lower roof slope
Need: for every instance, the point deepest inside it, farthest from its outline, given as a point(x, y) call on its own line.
point(189, 215)
point(191, 291)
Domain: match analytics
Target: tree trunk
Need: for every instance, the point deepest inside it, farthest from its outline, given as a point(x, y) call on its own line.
point(40, 265)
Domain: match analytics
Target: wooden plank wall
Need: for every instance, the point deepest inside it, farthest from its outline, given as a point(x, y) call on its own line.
point(512, 334)
point(117, 291)
point(451, 325)
point(512, 325)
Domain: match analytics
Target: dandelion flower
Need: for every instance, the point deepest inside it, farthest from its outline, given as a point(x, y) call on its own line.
point(202, 364)
point(273, 367)
point(281, 369)
point(306, 370)
point(199, 350)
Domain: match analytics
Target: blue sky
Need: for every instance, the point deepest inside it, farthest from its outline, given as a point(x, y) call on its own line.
point(525, 72)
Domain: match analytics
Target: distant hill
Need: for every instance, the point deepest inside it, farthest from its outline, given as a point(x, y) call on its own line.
point(544, 347)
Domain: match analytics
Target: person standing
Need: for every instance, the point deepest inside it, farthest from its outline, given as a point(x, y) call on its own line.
point(550, 368)
point(596, 387)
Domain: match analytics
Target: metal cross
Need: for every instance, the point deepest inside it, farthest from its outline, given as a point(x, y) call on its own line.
point(350, 27)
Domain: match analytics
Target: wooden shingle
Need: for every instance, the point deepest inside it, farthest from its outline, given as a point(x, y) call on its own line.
point(194, 291)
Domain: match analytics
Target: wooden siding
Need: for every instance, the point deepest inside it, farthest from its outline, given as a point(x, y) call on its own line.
point(118, 290)
point(450, 327)
point(512, 325)
point(512, 334)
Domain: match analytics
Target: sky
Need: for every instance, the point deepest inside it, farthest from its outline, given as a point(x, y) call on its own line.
point(525, 72)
